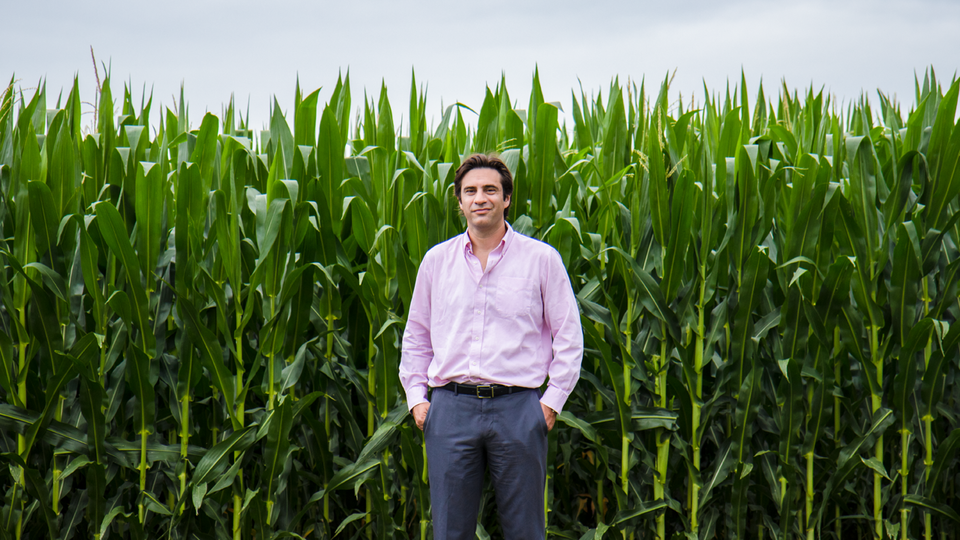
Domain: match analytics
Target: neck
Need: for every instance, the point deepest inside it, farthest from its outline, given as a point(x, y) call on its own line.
point(487, 240)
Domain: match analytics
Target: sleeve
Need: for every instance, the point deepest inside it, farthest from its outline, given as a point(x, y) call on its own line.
point(417, 349)
point(562, 317)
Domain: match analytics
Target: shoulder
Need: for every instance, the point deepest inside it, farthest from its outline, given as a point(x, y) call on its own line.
point(537, 249)
point(443, 250)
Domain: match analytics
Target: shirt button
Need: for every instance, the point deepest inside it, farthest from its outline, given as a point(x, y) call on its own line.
point(478, 312)
point(476, 338)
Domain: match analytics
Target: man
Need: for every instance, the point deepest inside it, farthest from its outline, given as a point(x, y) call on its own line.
point(492, 316)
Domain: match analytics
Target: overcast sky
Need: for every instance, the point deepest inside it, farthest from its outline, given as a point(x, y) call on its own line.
point(257, 49)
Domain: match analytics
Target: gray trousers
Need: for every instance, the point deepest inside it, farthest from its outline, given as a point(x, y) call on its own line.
point(466, 434)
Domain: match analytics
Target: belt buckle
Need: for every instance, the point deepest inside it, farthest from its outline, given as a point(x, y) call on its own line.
point(484, 387)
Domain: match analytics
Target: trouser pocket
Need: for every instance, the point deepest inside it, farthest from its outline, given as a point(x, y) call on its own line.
point(541, 420)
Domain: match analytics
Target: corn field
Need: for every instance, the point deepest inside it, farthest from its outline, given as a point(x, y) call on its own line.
point(200, 325)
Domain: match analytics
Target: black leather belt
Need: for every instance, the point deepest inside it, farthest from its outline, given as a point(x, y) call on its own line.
point(483, 391)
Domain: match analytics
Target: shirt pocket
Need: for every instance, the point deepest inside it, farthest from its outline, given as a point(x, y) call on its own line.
point(514, 296)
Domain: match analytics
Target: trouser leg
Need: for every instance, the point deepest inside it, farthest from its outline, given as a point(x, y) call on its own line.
point(517, 457)
point(456, 461)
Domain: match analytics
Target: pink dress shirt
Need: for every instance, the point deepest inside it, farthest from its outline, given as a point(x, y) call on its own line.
point(514, 323)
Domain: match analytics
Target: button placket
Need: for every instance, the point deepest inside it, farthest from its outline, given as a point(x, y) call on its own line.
point(479, 301)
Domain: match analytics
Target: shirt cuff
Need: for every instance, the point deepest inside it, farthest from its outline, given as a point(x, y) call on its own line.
point(416, 396)
point(554, 398)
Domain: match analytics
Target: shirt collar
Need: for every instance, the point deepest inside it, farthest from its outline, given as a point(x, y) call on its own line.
point(502, 246)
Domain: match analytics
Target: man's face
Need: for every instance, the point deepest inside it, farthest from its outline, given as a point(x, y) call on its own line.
point(481, 200)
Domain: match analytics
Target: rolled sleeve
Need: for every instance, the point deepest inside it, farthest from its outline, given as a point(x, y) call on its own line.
point(417, 350)
point(562, 317)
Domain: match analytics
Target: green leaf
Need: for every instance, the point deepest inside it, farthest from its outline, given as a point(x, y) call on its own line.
point(791, 412)
point(199, 491)
point(350, 519)
point(64, 372)
point(64, 177)
point(89, 255)
point(585, 428)
point(748, 402)
point(943, 154)
point(932, 243)
point(51, 279)
point(637, 511)
point(904, 383)
point(44, 215)
point(932, 505)
point(150, 189)
point(228, 238)
point(96, 491)
point(139, 379)
point(363, 222)
point(190, 221)
point(723, 464)
point(875, 465)
point(211, 355)
point(291, 373)
point(276, 455)
point(305, 122)
point(740, 491)
point(584, 136)
point(644, 418)
point(594, 339)
point(748, 298)
point(850, 454)
point(852, 336)
point(37, 489)
point(650, 295)
point(681, 219)
point(615, 143)
point(7, 362)
point(658, 187)
point(330, 161)
point(903, 284)
point(862, 164)
point(115, 235)
point(67, 438)
point(109, 517)
point(48, 329)
point(91, 403)
point(486, 138)
point(943, 461)
point(384, 435)
point(415, 227)
point(205, 151)
point(348, 473)
point(215, 460)
point(817, 417)
point(542, 159)
point(933, 376)
point(226, 480)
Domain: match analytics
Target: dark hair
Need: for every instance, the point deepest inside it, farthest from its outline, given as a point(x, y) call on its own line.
point(485, 161)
